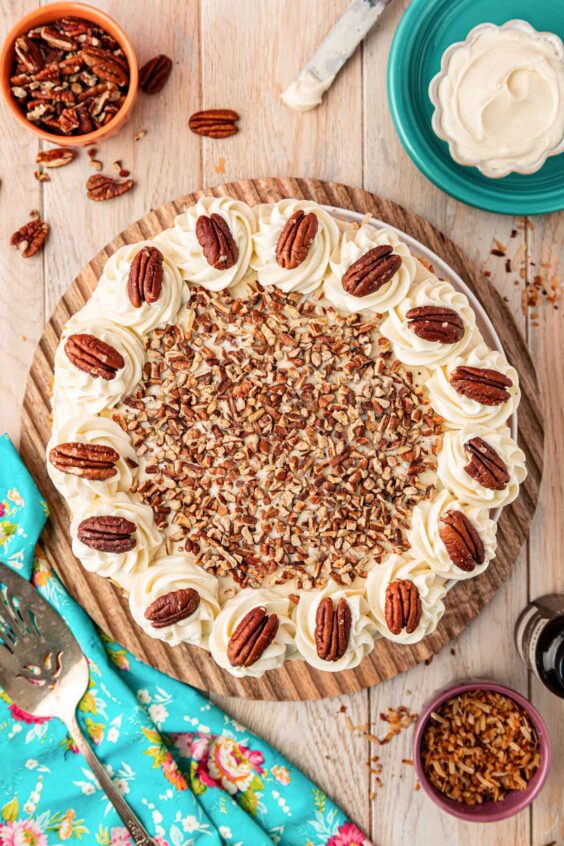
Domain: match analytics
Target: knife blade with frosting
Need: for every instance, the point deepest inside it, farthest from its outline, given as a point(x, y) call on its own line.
point(306, 91)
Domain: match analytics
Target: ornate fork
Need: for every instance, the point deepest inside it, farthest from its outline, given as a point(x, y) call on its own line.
point(43, 670)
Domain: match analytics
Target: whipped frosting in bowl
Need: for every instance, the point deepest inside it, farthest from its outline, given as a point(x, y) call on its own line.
point(499, 98)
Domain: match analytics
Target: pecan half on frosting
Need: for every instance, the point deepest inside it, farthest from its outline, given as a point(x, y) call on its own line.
point(93, 356)
point(436, 323)
point(252, 637)
point(216, 241)
point(172, 607)
point(488, 387)
point(95, 462)
point(145, 280)
point(371, 271)
point(107, 533)
point(485, 465)
point(463, 543)
point(295, 239)
point(332, 629)
point(402, 607)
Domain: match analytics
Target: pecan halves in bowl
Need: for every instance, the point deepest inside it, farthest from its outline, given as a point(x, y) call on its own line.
point(93, 356)
point(488, 387)
point(107, 533)
point(145, 279)
point(463, 543)
point(436, 323)
point(371, 271)
point(95, 462)
point(252, 637)
point(216, 241)
point(402, 607)
point(295, 239)
point(172, 607)
point(214, 123)
point(332, 629)
point(485, 465)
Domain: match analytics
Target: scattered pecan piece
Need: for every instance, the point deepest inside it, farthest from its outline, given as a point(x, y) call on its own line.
point(485, 465)
point(107, 533)
point(252, 637)
point(462, 541)
point(488, 387)
point(93, 356)
point(145, 277)
point(101, 188)
point(216, 241)
point(214, 123)
point(436, 323)
point(172, 607)
point(332, 629)
point(402, 607)
point(90, 461)
point(296, 239)
point(57, 157)
point(30, 237)
point(154, 74)
point(371, 271)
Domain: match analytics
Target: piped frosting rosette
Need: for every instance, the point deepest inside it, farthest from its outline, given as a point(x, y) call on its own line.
point(173, 576)
point(182, 243)
point(354, 244)
point(233, 613)
point(81, 474)
point(111, 298)
point(310, 273)
point(481, 466)
point(458, 558)
point(473, 389)
point(76, 390)
point(101, 554)
point(422, 582)
point(361, 637)
point(414, 350)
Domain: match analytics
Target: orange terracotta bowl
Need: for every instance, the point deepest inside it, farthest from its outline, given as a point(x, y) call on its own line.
point(47, 14)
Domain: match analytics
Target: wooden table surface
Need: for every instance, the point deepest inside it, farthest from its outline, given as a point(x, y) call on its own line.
point(240, 54)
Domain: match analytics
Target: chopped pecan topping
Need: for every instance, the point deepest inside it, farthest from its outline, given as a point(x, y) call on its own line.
point(488, 387)
point(145, 279)
point(102, 188)
point(371, 271)
point(402, 608)
point(252, 637)
point(436, 323)
point(154, 74)
point(485, 465)
point(216, 241)
point(462, 541)
point(57, 157)
point(30, 237)
point(172, 607)
point(296, 239)
point(215, 123)
point(93, 356)
point(90, 461)
point(332, 629)
point(107, 533)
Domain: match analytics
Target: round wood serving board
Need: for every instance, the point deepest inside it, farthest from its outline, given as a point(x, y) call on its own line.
point(296, 680)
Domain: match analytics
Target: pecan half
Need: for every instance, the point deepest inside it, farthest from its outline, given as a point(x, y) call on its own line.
point(172, 607)
point(332, 629)
point(252, 637)
point(214, 123)
point(55, 38)
point(462, 541)
point(216, 241)
point(485, 465)
point(436, 323)
point(29, 54)
point(154, 74)
point(106, 65)
point(93, 356)
point(57, 157)
point(107, 533)
point(145, 279)
point(101, 188)
point(90, 461)
point(371, 271)
point(402, 607)
point(30, 237)
point(488, 387)
point(296, 239)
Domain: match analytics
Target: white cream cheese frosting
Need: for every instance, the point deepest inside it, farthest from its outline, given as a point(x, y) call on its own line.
point(231, 615)
point(353, 245)
point(309, 275)
point(185, 249)
point(425, 541)
point(171, 573)
point(499, 98)
point(453, 459)
point(408, 347)
point(361, 639)
point(431, 589)
point(306, 91)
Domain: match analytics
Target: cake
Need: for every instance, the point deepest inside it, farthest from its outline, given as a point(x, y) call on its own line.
point(281, 435)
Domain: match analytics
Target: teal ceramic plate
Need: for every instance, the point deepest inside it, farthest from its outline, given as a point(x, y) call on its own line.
point(426, 29)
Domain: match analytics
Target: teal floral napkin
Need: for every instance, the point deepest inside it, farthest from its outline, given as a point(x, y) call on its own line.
point(191, 773)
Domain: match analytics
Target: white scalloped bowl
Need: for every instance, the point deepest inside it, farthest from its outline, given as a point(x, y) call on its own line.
point(437, 120)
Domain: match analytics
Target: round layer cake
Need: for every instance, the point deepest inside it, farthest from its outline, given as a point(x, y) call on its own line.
point(282, 435)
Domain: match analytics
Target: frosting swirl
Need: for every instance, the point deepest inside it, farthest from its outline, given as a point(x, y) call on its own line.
point(305, 92)
point(308, 275)
point(171, 573)
point(432, 590)
point(361, 639)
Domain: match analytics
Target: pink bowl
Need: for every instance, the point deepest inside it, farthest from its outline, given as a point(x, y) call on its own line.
point(516, 800)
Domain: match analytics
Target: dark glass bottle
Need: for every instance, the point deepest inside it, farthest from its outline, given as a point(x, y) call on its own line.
point(539, 637)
